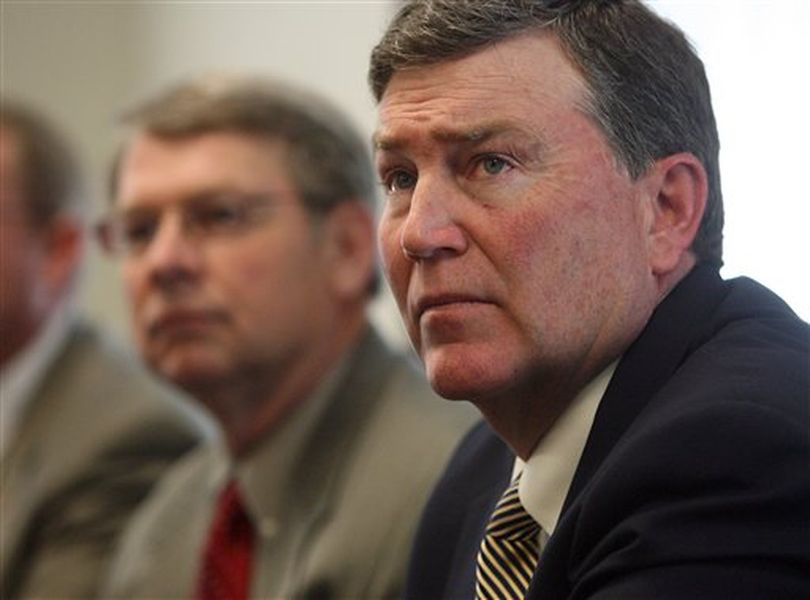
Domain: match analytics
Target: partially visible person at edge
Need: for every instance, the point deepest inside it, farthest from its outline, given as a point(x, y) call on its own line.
point(242, 214)
point(85, 430)
point(552, 233)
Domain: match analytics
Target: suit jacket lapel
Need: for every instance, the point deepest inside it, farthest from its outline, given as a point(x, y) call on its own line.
point(674, 329)
point(677, 326)
point(40, 456)
point(350, 404)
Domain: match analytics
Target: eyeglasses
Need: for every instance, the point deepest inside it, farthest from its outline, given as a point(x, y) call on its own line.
point(203, 218)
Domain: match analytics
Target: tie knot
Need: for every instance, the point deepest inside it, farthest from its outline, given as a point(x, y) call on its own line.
point(510, 521)
point(230, 511)
point(509, 551)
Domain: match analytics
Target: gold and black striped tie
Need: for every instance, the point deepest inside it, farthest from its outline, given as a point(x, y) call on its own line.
point(508, 555)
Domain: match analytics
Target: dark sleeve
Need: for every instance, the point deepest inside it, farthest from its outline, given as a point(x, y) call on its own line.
point(442, 561)
point(711, 503)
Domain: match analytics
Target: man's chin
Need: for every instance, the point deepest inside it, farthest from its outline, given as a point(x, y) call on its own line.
point(460, 373)
point(191, 373)
point(455, 384)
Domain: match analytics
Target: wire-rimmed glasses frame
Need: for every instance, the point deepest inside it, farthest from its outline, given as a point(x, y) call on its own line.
point(129, 232)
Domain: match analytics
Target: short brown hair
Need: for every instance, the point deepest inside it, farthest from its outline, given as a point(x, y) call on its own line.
point(328, 160)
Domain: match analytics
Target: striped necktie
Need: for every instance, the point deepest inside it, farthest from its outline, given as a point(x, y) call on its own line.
point(509, 551)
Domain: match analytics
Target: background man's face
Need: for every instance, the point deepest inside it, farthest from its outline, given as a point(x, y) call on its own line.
point(233, 303)
point(23, 255)
point(514, 244)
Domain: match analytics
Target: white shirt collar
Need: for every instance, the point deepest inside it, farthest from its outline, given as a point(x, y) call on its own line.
point(25, 371)
point(548, 473)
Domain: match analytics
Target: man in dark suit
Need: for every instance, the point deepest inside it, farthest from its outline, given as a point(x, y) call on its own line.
point(86, 431)
point(552, 234)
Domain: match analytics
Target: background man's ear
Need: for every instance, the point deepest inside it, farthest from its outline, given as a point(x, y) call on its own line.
point(349, 244)
point(680, 190)
point(63, 245)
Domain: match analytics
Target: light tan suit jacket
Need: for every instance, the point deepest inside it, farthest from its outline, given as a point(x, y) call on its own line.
point(335, 511)
point(92, 442)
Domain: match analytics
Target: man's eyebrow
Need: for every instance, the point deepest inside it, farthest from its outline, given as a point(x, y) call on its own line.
point(476, 134)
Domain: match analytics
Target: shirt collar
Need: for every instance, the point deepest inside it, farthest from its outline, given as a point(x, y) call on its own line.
point(548, 472)
point(270, 467)
point(25, 371)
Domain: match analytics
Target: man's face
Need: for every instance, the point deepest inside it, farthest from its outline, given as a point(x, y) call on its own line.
point(226, 280)
point(514, 243)
point(23, 255)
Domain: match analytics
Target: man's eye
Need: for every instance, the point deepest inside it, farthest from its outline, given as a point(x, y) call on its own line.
point(493, 165)
point(218, 216)
point(399, 180)
point(139, 232)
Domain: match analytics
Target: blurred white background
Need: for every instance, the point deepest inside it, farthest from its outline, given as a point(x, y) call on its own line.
point(83, 62)
point(757, 56)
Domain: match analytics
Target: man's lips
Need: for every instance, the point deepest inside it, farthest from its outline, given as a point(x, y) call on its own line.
point(184, 320)
point(430, 303)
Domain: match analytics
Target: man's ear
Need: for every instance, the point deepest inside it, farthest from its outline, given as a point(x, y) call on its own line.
point(63, 244)
point(679, 189)
point(349, 246)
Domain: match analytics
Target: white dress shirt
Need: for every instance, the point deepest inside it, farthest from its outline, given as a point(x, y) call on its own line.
point(548, 472)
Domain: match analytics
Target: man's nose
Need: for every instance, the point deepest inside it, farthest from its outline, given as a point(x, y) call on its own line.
point(173, 256)
point(431, 229)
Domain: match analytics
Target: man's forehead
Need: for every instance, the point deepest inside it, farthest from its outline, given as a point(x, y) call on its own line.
point(205, 139)
point(387, 139)
point(153, 166)
point(492, 90)
point(210, 153)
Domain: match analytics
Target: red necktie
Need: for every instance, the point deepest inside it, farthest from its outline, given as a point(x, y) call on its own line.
point(225, 572)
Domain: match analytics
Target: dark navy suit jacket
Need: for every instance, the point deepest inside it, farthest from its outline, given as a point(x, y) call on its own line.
point(694, 481)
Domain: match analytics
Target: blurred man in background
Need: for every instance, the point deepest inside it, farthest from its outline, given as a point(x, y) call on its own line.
point(85, 432)
point(243, 218)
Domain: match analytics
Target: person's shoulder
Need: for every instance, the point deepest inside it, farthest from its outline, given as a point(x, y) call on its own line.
point(734, 408)
point(404, 395)
point(419, 416)
point(479, 452)
point(193, 478)
point(407, 432)
point(107, 377)
point(702, 476)
point(755, 356)
point(746, 377)
point(752, 310)
point(713, 470)
point(156, 552)
point(97, 358)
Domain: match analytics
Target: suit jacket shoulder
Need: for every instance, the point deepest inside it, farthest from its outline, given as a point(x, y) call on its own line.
point(444, 552)
point(98, 433)
point(398, 435)
point(158, 554)
point(694, 481)
point(349, 505)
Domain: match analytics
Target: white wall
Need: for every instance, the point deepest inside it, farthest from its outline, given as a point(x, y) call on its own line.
point(83, 62)
point(757, 57)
